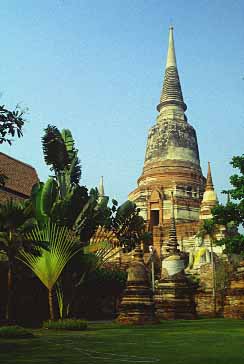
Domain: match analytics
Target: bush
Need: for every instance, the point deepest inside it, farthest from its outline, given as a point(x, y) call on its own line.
point(15, 332)
point(66, 324)
point(99, 294)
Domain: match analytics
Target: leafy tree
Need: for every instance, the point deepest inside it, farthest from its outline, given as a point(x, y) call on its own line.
point(15, 220)
point(101, 289)
point(127, 225)
point(93, 214)
point(11, 123)
point(48, 266)
point(231, 215)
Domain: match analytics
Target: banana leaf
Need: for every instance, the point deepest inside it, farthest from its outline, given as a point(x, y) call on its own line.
point(49, 195)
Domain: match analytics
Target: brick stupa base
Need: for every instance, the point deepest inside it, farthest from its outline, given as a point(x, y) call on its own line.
point(205, 303)
point(174, 299)
point(234, 299)
point(137, 305)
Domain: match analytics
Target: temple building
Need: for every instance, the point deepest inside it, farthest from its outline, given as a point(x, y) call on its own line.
point(172, 164)
point(19, 178)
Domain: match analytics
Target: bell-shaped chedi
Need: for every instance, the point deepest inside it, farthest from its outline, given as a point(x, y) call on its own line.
point(137, 305)
point(174, 297)
point(209, 197)
point(172, 158)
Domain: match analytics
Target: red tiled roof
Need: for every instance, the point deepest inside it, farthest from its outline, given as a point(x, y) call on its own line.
point(21, 176)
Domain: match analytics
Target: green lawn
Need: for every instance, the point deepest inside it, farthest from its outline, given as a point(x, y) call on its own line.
point(178, 342)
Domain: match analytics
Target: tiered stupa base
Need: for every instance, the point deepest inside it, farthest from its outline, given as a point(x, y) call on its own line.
point(174, 297)
point(205, 303)
point(137, 305)
point(234, 299)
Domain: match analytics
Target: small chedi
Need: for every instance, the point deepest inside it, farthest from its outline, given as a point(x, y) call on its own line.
point(174, 296)
point(137, 305)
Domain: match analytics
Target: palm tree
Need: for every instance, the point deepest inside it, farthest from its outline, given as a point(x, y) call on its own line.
point(102, 248)
point(48, 266)
point(15, 220)
point(209, 229)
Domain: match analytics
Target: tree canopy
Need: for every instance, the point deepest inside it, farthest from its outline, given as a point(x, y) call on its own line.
point(231, 215)
point(11, 123)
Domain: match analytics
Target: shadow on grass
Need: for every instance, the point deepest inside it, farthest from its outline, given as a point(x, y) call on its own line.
point(166, 325)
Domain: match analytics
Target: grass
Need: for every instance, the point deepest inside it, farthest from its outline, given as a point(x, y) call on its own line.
point(215, 341)
point(66, 324)
point(16, 332)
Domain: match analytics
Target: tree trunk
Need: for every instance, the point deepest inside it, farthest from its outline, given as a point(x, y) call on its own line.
point(50, 301)
point(213, 278)
point(9, 308)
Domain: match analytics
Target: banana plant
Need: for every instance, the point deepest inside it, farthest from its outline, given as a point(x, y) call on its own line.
point(61, 155)
point(43, 197)
point(61, 198)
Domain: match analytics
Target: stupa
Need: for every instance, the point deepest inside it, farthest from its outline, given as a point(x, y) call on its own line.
point(174, 296)
point(137, 305)
point(171, 164)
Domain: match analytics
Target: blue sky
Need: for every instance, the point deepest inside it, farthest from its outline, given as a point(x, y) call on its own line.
point(96, 67)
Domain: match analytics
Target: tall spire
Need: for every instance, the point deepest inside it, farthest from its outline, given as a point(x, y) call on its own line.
point(171, 93)
point(209, 182)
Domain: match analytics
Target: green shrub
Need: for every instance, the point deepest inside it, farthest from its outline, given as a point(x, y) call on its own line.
point(66, 324)
point(14, 332)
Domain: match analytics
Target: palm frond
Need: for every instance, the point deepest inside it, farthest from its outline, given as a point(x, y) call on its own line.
point(62, 246)
point(104, 245)
point(12, 214)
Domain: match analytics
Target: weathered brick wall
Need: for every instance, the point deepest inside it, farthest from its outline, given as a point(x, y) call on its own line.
point(234, 299)
point(205, 303)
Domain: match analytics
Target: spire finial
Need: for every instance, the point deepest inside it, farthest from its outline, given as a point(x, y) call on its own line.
point(171, 58)
point(101, 187)
point(171, 94)
point(209, 182)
